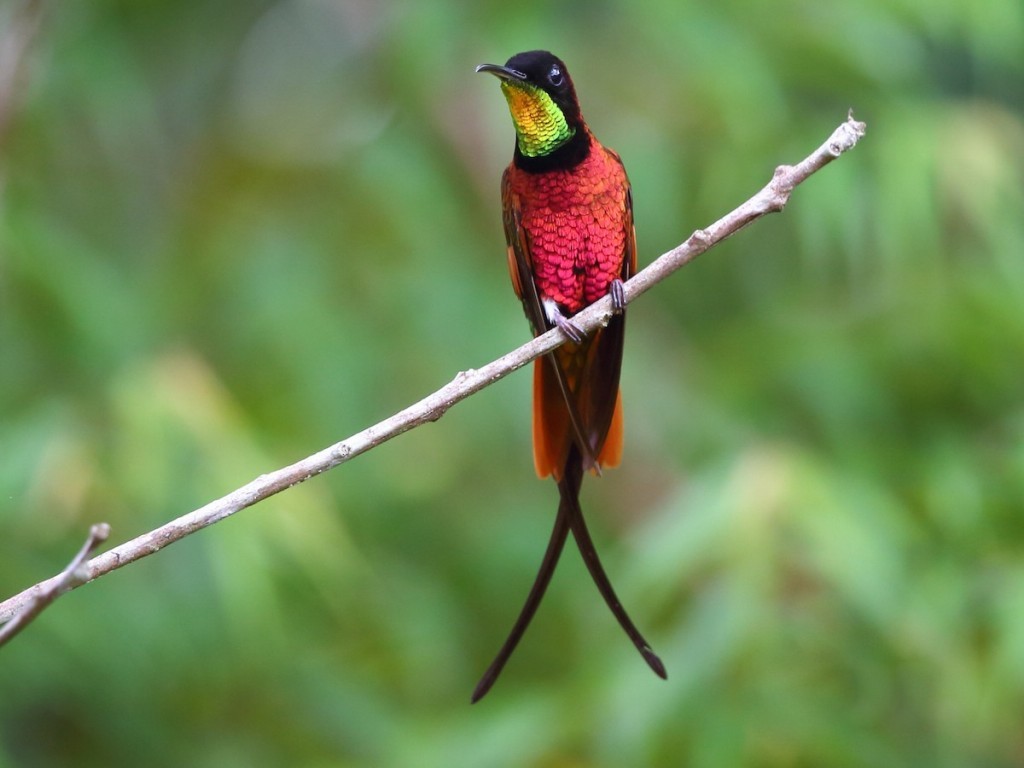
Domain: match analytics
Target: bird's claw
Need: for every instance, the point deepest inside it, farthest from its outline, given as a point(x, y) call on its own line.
point(570, 329)
point(618, 294)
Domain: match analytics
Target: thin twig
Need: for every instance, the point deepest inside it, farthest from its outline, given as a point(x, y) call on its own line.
point(43, 594)
point(772, 198)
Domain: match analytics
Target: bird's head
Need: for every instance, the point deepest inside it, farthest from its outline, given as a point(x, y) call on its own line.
point(542, 101)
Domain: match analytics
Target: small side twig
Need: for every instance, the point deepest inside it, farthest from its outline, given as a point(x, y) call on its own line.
point(15, 44)
point(772, 198)
point(45, 593)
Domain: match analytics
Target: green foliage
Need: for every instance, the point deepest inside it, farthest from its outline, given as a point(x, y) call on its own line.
point(233, 233)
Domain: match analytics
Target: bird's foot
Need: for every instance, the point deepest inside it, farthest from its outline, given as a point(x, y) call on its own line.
point(618, 294)
point(569, 328)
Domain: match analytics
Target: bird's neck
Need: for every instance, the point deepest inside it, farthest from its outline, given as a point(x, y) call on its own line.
point(565, 157)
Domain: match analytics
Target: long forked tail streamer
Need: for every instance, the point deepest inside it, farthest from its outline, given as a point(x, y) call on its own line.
point(570, 517)
point(569, 487)
point(540, 584)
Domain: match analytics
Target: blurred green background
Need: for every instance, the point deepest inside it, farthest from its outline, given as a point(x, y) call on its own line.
point(235, 232)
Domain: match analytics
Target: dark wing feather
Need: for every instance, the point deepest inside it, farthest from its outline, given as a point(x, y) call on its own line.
point(599, 401)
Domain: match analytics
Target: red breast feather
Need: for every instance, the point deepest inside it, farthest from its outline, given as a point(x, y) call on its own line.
point(576, 223)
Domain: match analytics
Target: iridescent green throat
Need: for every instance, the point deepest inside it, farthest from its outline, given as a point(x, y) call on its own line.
point(541, 127)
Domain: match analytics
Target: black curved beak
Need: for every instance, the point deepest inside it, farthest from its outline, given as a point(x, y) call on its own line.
point(502, 72)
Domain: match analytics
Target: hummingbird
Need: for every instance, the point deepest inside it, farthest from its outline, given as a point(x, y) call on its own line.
point(568, 217)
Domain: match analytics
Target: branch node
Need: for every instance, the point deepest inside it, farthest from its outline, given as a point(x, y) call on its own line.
point(74, 575)
point(701, 239)
point(846, 135)
point(781, 187)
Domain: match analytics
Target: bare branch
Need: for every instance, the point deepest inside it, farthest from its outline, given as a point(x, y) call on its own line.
point(773, 197)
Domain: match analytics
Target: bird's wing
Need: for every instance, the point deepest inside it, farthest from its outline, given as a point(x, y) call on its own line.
point(598, 398)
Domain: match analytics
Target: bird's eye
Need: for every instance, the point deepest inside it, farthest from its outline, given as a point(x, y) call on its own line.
point(555, 76)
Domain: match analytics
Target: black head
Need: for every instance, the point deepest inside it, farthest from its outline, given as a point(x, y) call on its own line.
point(547, 71)
point(541, 97)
